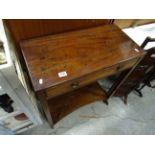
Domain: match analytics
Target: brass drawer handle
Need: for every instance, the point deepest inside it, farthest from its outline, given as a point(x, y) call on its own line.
point(75, 85)
point(118, 68)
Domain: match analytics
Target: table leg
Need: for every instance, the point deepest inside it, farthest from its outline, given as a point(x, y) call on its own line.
point(44, 103)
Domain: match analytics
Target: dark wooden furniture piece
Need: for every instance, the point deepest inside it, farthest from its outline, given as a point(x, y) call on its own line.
point(64, 68)
point(149, 62)
point(143, 74)
point(23, 29)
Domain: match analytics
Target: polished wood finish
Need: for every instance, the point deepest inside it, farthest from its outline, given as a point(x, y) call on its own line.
point(87, 79)
point(78, 53)
point(86, 56)
point(23, 29)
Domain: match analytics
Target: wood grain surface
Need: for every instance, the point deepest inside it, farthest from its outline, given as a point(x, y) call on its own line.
point(77, 53)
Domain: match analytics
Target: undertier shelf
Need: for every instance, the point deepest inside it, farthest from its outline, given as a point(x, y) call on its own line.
point(63, 105)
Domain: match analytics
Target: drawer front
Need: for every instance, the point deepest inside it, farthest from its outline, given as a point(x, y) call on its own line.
point(87, 79)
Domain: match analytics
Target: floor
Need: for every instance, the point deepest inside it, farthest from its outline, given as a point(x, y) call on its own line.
point(137, 117)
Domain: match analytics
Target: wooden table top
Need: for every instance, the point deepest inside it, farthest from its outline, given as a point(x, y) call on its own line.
point(54, 59)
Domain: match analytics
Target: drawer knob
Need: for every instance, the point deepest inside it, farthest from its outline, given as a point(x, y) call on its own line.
point(75, 85)
point(118, 68)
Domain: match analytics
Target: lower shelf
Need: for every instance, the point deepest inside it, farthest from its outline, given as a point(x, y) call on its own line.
point(65, 104)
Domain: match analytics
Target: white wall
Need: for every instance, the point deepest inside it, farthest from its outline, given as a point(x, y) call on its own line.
point(139, 33)
point(6, 47)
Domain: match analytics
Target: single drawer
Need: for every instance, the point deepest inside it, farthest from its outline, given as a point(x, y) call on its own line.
point(87, 79)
